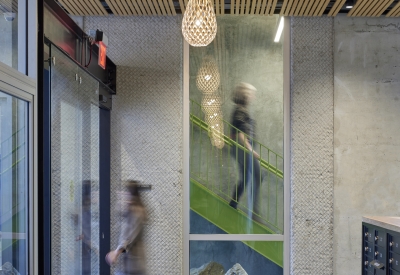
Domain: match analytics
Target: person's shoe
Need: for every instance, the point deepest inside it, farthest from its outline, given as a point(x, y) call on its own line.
point(233, 204)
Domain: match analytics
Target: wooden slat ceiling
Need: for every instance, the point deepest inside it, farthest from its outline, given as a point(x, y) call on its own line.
point(86, 7)
point(365, 8)
point(141, 7)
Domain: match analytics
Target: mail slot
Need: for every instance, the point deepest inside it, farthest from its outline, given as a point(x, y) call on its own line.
point(380, 237)
point(394, 261)
point(394, 243)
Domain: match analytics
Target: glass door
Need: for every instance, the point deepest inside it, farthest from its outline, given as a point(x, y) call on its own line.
point(74, 168)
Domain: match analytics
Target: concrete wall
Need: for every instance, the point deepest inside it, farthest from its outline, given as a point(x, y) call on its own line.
point(367, 127)
point(146, 128)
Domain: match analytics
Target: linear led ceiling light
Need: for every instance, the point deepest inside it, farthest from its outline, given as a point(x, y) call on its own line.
point(199, 24)
point(349, 4)
point(279, 31)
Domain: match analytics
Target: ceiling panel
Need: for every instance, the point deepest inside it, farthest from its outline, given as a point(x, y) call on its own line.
point(368, 8)
point(87, 7)
point(365, 8)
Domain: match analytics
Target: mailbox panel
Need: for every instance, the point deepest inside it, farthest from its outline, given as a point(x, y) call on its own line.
point(394, 243)
point(369, 249)
point(394, 261)
point(380, 271)
point(380, 237)
point(380, 254)
point(368, 268)
point(369, 233)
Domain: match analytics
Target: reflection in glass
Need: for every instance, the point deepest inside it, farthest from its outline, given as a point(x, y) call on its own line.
point(13, 184)
point(235, 257)
point(243, 51)
point(9, 32)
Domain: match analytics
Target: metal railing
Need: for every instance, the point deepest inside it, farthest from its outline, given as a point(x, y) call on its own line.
point(217, 170)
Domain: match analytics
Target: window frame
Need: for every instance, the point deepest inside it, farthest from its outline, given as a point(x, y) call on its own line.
point(23, 87)
point(285, 237)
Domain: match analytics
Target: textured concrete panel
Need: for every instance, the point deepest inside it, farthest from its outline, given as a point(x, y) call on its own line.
point(312, 146)
point(140, 41)
point(146, 128)
point(367, 127)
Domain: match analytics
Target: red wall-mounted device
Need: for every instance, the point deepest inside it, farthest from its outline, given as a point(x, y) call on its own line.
point(102, 55)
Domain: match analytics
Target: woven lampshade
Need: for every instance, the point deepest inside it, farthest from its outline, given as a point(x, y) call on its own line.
point(199, 24)
point(210, 103)
point(214, 119)
point(216, 132)
point(208, 78)
point(217, 142)
point(213, 116)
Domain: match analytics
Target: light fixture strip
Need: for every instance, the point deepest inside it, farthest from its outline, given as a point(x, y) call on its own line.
point(279, 31)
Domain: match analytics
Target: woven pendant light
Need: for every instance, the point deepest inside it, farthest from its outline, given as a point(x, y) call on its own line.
point(216, 132)
point(208, 78)
point(199, 24)
point(210, 104)
point(213, 117)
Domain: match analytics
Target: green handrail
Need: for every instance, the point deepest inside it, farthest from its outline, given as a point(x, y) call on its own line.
point(232, 142)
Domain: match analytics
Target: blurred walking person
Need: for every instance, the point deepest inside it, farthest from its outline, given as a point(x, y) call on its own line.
point(130, 248)
point(243, 132)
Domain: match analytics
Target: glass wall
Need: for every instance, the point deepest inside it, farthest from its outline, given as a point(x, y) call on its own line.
point(249, 256)
point(13, 185)
point(236, 141)
point(75, 168)
point(12, 33)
